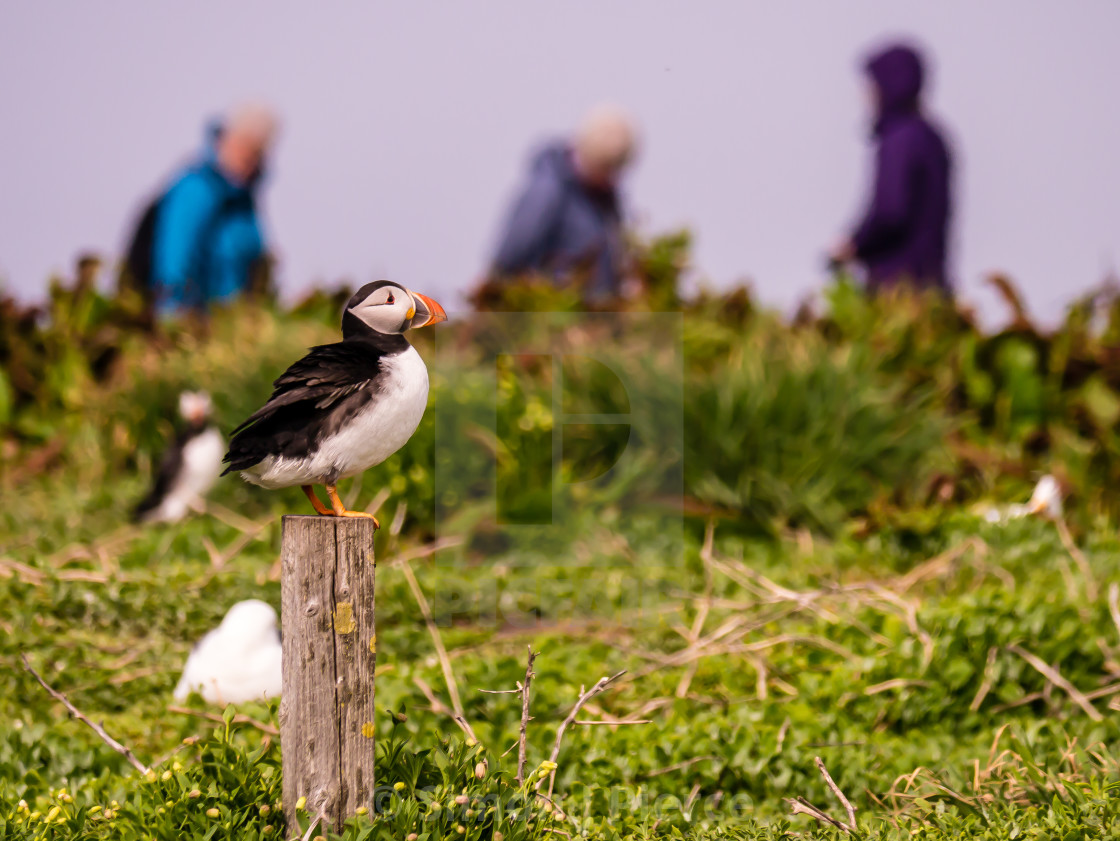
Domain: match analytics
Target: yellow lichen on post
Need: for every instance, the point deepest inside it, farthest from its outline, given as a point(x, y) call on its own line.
point(373, 644)
point(344, 618)
point(367, 730)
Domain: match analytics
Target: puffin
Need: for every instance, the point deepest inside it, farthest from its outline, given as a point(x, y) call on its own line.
point(189, 467)
point(237, 661)
point(344, 407)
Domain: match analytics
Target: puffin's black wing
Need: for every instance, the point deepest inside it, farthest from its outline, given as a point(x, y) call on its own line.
point(169, 465)
point(313, 398)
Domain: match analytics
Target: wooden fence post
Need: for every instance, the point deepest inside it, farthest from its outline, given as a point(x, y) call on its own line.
point(330, 650)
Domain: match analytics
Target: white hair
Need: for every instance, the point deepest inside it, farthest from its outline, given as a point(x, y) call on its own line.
point(606, 139)
point(255, 120)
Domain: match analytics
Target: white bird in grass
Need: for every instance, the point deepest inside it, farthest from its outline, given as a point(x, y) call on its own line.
point(237, 661)
point(1047, 498)
point(1045, 502)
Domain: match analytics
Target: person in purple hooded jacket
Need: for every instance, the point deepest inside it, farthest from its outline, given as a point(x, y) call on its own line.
point(903, 234)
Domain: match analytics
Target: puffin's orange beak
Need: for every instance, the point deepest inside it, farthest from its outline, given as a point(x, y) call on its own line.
point(427, 311)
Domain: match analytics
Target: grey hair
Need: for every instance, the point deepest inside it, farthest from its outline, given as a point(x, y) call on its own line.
point(606, 138)
point(255, 120)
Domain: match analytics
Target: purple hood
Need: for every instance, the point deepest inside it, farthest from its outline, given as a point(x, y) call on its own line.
point(898, 74)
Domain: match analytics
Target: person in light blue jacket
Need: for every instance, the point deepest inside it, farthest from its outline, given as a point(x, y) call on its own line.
point(567, 221)
point(207, 234)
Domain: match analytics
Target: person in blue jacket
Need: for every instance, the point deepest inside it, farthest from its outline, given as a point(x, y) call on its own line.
point(567, 220)
point(903, 235)
point(207, 235)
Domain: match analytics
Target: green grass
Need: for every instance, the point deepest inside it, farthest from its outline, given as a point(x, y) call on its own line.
point(843, 609)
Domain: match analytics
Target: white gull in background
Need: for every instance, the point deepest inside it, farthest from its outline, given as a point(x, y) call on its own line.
point(237, 661)
point(1045, 502)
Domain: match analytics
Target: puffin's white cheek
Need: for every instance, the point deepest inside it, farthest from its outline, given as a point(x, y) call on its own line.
point(369, 315)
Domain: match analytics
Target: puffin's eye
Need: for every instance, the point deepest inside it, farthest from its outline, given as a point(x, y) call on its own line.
point(390, 299)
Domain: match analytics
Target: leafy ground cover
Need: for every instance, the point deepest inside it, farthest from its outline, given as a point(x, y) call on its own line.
point(823, 584)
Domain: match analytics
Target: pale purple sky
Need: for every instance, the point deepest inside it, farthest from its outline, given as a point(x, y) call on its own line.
point(407, 126)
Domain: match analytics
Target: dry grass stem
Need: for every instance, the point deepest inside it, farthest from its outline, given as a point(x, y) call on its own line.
point(986, 683)
point(801, 806)
point(1091, 589)
point(437, 639)
point(1057, 680)
point(680, 766)
point(263, 726)
point(441, 708)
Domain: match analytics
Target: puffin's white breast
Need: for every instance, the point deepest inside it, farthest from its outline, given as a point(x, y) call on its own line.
point(202, 461)
point(377, 431)
point(199, 468)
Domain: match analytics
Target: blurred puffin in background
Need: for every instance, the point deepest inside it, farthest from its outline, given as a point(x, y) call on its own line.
point(190, 466)
point(344, 407)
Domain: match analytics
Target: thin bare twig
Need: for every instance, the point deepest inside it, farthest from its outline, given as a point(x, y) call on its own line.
point(521, 739)
point(584, 697)
point(801, 806)
point(761, 677)
point(1073, 592)
point(406, 555)
point(680, 766)
point(782, 731)
point(1021, 702)
point(1103, 692)
point(1057, 680)
point(909, 612)
point(310, 829)
point(692, 795)
point(895, 683)
point(938, 564)
point(986, 684)
point(240, 718)
point(378, 500)
point(96, 728)
point(233, 519)
point(398, 519)
point(701, 617)
point(848, 807)
point(442, 709)
point(29, 574)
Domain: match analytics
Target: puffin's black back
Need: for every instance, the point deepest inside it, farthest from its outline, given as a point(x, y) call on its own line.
point(314, 398)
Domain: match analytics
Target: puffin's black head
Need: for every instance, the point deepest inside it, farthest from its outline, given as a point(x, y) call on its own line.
point(384, 307)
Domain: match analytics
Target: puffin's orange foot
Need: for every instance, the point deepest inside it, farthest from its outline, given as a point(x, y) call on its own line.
point(322, 509)
point(341, 510)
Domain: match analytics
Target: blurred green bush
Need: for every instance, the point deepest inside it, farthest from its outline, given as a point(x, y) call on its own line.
point(869, 408)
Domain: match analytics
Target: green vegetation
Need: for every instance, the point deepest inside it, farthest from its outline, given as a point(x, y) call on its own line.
point(798, 568)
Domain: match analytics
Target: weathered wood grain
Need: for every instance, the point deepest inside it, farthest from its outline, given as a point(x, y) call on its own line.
point(330, 651)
